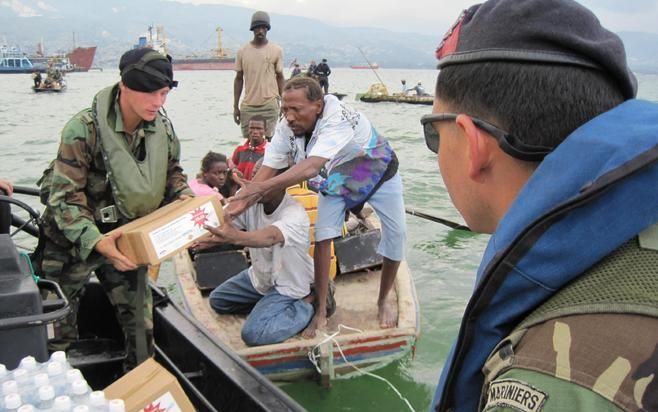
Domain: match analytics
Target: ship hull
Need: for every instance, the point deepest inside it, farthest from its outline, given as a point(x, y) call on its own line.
point(81, 58)
point(204, 64)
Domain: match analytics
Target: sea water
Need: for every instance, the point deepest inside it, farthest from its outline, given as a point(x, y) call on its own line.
point(442, 261)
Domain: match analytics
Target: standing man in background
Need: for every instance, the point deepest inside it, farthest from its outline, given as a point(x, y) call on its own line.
point(259, 70)
point(322, 72)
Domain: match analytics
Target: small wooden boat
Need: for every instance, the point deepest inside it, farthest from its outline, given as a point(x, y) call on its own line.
point(357, 343)
point(379, 93)
point(55, 87)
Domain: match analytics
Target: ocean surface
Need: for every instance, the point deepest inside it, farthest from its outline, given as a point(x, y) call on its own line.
point(442, 261)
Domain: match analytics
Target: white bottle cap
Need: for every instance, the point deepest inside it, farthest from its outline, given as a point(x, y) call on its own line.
point(46, 393)
point(3, 371)
point(28, 363)
point(79, 387)
point(20, 376)
point(81, 408)
point(73, 375)
point(55, 369)
point(41, 379)
point(62, 403)
point(59, 356)
point(26, 408)
point(117, 405)
point(9, 387)
point(97, 398)
point(13, 401)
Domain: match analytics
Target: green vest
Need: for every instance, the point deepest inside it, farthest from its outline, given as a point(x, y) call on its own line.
point(138, 186)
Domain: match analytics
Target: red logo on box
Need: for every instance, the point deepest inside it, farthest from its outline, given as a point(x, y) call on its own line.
point(199, 217)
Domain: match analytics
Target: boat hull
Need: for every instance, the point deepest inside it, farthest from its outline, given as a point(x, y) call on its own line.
point(369, 348)
point(204, 64)
point(427, 100)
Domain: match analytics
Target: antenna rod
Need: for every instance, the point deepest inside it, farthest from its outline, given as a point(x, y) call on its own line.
point(370, 65)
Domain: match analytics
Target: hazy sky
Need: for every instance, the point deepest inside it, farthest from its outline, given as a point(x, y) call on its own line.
point(436, 16)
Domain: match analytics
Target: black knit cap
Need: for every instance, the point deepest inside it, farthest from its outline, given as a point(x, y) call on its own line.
point(536, 31)
point(146, 70)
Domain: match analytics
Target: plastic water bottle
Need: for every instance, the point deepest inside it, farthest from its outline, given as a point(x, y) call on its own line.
point(29, 364)
point(12, 402)
point(60, 357)
point(62, 404)
point(73, 375)
point(116, 405)
point(57, 375)
point(26, 408)
point(46, 397)
point(80, 393)
point(4, 374)
point(97, 402)
point(9, 387)
point(25, 382)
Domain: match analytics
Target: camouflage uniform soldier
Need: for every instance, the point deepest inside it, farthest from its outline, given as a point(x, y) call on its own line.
point(541, 143)
point(117, 161)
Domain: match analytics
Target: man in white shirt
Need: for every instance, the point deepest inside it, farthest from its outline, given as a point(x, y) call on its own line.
point(343, 157)
point(275, 290)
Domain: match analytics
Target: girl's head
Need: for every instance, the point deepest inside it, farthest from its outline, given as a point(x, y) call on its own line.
point(214, 169)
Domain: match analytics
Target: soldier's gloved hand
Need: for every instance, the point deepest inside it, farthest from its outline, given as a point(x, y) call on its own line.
point(107, 247)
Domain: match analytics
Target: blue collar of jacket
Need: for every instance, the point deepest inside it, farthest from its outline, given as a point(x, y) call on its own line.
point(596, 191)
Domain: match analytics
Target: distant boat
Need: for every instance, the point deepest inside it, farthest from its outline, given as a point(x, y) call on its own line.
point(366, 66)
point(13, 60)
point(219, 60)
point(379, 93)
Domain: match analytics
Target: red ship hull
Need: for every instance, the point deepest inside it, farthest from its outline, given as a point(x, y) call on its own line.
point(82, 58)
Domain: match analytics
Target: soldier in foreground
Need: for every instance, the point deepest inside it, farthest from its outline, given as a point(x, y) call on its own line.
point(541, 143)
point(117, 161)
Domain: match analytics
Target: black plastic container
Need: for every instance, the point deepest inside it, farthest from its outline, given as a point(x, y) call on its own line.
point(22, 332)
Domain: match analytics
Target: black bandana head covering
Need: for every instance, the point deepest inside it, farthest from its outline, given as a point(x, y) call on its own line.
point(146, 70)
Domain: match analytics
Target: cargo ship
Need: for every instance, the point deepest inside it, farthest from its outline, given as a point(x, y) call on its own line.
point(366, 66)
point(219, 60)
point(81, 58)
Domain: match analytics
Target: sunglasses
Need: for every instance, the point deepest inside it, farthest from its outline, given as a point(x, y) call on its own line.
point(507, 142)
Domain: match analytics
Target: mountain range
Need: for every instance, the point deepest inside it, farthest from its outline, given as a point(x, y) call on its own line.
point(115, 25)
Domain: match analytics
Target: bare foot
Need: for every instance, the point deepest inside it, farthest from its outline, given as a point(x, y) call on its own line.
point(387, 315)
point(318, 322)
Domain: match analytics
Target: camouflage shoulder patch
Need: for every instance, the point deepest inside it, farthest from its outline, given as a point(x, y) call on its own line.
point(514, 394)
point(649, 238)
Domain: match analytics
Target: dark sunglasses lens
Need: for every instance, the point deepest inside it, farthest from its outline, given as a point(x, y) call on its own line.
point(431, 137)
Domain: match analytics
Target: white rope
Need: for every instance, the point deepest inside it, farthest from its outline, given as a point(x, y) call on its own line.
point(313, 357)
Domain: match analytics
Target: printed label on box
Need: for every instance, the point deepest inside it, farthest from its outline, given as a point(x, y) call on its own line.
point(165, 403)
point(175, 234)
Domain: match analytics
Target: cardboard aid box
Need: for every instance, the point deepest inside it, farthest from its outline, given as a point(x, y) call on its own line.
point(150, 387)
point(158, 235)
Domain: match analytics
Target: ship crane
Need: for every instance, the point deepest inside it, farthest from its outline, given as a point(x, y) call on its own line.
point(219, 51)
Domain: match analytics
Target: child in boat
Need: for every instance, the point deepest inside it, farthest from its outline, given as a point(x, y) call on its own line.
point(212, 177)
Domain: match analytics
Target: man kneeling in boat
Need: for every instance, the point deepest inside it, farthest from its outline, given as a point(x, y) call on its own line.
point(275, 290)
